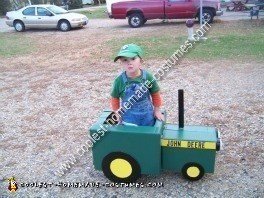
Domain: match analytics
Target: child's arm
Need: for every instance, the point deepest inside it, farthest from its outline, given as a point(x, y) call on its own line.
point(115, 104)
point(157, 102)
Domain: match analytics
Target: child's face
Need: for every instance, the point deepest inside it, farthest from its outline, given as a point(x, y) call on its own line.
point(131, 65)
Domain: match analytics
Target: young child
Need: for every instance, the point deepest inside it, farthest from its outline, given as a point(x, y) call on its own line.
point(144, 109)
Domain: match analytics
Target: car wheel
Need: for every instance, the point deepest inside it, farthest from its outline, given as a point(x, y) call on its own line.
point(208, 16)
point(121, 167)
point(64, 26)
point(135, 20)
point(192, 171)
point(19, 26)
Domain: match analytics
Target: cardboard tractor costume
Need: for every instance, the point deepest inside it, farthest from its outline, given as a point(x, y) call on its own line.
point(123, 153)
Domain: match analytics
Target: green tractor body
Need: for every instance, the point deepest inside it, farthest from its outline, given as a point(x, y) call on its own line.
point(123, 153)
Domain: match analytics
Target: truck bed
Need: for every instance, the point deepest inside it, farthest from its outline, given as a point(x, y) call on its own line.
point(152, 9)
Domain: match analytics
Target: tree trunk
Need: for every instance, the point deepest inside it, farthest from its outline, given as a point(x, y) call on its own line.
point(96, 2)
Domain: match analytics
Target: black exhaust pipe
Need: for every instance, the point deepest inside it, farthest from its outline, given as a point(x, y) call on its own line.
point(181, 108)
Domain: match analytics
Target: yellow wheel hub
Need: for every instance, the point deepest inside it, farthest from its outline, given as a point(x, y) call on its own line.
point(121, 168)
point(193, 171)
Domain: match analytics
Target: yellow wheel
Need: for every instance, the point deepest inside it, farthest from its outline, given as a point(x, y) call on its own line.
point(121, 167)
point(193, 171)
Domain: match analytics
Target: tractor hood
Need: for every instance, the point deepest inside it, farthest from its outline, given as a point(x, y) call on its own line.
point(197, 137)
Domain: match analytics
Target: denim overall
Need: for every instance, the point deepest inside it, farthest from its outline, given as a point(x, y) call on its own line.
point(141, 110)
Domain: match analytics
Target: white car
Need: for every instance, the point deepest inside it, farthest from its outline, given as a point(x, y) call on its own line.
point(44, 16)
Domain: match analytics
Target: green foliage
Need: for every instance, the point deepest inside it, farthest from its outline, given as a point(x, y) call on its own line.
point(74, 4)
point(56, 2)
point(96, 2)
point(4, 6)
point(35, 2)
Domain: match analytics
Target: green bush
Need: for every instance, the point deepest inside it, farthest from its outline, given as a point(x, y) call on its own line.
point(56, 2)
point(35, 2)
point(74, 4)
point(4, 6)
point(96, 2)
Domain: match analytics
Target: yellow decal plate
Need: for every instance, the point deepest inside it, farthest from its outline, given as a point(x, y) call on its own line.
point(188, 144)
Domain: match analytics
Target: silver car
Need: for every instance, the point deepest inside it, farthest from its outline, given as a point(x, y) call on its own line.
point(44, 16)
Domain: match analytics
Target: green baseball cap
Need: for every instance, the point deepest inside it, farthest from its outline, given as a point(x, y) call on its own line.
point(129, 51)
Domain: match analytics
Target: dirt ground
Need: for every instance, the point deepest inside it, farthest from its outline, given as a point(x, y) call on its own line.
point(50, 98)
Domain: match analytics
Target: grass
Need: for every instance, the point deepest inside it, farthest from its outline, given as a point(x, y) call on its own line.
point(14, 44)
point(99, 13)
point(228, 45)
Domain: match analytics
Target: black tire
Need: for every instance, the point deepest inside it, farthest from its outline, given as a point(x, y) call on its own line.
point(19, 26)
point(64, 25)
point(192, 171)
point(208, 16)
point(145, 21)
point(135, 20)
point(120, 167)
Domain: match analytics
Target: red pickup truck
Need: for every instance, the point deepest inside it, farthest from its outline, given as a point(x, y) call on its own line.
point(139, 11)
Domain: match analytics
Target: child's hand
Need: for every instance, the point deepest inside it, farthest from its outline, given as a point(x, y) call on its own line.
point(158, 114)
